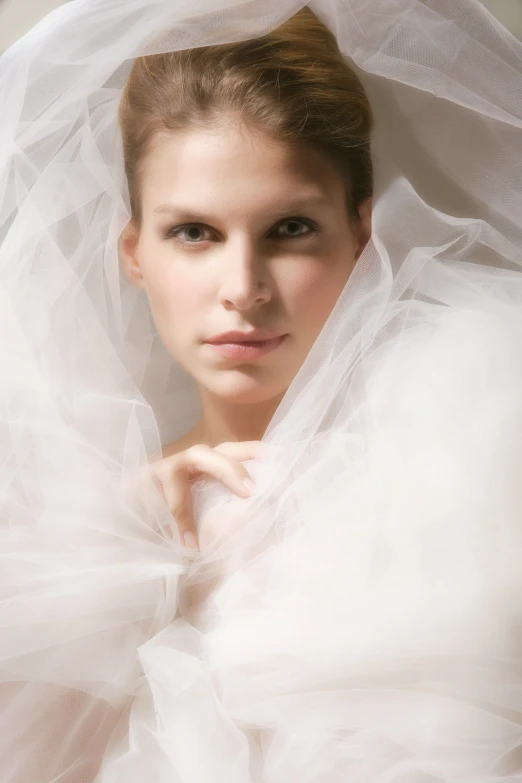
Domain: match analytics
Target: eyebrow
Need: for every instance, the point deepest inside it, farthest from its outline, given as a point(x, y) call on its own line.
point(188, 214)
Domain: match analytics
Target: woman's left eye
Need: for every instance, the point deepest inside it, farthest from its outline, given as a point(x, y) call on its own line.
point(295, 223)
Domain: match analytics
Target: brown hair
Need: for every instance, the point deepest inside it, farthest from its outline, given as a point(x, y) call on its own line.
point(292, 83)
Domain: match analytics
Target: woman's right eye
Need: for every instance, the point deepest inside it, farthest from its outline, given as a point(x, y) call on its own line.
point(194, 232)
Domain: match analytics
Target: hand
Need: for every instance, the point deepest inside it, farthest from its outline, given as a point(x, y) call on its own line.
point(178, 473)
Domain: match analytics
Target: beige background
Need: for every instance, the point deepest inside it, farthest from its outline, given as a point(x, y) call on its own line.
point(17, 16)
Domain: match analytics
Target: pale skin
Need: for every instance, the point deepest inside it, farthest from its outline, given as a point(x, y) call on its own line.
point(238, 231)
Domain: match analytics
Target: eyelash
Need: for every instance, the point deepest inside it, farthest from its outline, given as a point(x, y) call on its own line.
point(313, 229)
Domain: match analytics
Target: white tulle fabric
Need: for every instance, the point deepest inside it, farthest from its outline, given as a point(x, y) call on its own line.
point(359, 619)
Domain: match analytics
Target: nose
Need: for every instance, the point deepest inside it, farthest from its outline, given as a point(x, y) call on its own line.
point(243, 284)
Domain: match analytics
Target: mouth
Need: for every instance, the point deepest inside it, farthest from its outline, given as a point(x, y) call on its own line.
point(245, 350)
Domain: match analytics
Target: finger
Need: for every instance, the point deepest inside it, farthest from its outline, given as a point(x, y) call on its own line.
point(241, 450)
point(178, 497)
point(223, 463)
point(229, 471)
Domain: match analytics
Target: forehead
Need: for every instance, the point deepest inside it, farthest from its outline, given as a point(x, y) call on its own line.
point(235, 167)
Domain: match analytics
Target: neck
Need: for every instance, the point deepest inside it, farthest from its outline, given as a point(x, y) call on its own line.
point(223, 421)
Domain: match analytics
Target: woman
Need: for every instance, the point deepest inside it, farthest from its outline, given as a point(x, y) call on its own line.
point(250, 117)
point(356, 616)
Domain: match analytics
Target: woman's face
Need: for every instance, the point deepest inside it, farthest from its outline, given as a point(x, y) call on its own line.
point(241, 232)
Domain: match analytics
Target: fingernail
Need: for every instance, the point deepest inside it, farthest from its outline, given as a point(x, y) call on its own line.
point(249, 484)
point(190, 540)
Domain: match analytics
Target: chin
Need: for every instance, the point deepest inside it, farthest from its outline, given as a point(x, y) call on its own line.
point(247, 386)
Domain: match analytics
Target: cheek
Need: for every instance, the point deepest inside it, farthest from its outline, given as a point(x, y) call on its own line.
point(176, 299)
point(315, 288)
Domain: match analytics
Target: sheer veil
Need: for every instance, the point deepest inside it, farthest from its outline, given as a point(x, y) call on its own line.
point(359, 617)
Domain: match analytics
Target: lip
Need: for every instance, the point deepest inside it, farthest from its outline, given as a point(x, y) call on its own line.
point(246, 346)
point(254, 335)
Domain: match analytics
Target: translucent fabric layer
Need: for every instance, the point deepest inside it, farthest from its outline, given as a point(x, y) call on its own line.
point(359, 618)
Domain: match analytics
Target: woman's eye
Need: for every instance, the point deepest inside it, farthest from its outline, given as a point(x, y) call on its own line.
point(295, 225)
point(193, 236)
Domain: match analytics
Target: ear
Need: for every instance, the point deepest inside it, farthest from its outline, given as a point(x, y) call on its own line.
point(362, 228)
point(128, 244)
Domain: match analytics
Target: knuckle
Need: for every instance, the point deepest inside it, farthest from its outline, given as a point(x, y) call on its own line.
point(183, 522)
point(197, 451)
point(182, 518)
point(170, 482)
point(225, 445)
point(173, 464)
